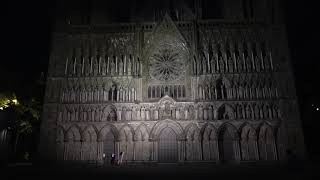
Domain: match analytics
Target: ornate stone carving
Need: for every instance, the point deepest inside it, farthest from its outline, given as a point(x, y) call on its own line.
point(166, 65)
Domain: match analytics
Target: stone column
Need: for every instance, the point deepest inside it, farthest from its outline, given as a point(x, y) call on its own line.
point(81, 150)
point(183, 156)
point(179, 150)
point(134, 149)
point(65, 150)
point(237, 151)
point(216, 146)
point(154, 150)
point(99, 157)
point(117, 144)
point(274, 149)
point(256, 150)
point(119, 112)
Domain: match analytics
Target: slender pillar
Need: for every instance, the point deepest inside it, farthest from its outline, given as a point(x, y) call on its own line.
point(237, 151)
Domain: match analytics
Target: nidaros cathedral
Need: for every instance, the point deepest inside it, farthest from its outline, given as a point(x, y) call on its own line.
point(170, 81)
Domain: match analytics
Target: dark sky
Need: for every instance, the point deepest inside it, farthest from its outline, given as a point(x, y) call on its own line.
point(303, 36)
point(26, 42)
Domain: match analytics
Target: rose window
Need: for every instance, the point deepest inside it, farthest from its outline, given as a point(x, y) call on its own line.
point(166, 65)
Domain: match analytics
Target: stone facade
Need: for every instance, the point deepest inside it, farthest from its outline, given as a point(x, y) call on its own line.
point(183, 90)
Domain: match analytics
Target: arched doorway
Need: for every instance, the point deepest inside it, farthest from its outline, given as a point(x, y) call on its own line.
point(168, 146)
point(109, 147)
point(226, 146)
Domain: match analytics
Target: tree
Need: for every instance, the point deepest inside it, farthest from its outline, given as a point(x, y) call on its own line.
point(26, 116)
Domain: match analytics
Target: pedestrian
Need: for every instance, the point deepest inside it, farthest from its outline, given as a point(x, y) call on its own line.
point(113, 157)
point(120, 158)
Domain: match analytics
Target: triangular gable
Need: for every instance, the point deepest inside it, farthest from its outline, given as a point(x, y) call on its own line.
point(166, 28)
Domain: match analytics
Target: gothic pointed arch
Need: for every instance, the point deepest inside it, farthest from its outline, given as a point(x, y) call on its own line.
point(192, 131)
point(90, 133)
point(193, 142)
point(209, 143)
point(142, 144)
point(126, 142)
point(73, 133)
point(109, 128)
point(266, 141)
point(159, 126)
point(126, 133)
point(228, 137)
point(90, 145)
point(141, 132)
point(73, 143)
point(248, 142)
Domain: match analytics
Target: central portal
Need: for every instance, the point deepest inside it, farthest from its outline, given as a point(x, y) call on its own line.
point(168, 146)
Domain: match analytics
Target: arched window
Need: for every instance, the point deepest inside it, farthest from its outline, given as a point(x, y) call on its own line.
point(183, 91)
point(149, 92)
point(115, 92)
point(153, 93)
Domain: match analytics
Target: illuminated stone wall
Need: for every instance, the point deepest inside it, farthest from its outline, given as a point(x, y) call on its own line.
point(221, 90)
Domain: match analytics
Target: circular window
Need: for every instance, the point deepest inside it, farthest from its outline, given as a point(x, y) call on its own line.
point(166, 65)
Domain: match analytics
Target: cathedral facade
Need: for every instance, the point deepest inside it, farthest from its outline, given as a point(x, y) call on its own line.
point(171, 83)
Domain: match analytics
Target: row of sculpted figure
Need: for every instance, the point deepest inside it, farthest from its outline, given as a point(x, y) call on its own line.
point(122, 65)
point(223, 89)
point(207, 142)
point(237, 111)
point(91, 94)
point(223, 58)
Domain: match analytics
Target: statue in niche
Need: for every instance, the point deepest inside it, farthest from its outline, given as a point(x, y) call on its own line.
point(166, 113)
point(221, 63)
point(79, 68)
point(112, 68)
point(191, 112)
point(88, 114)
point(249, 64)
point(214, 65)
point(96, 94)
point(95, 68)
point(88, 67)
point(248, 112)
point(129, 67)
point(230, 64)
point(120, 67)
point(104, 67)
point(73, 96)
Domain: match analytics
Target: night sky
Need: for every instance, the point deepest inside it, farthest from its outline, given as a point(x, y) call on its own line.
point(25, 48)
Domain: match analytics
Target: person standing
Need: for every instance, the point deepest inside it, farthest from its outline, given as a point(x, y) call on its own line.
point(120, 158)
point(113, 157)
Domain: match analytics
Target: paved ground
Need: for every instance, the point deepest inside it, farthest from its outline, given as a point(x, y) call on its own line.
point(165, 172)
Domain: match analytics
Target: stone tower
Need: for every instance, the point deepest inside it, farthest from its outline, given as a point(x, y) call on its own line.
point(170, 81)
